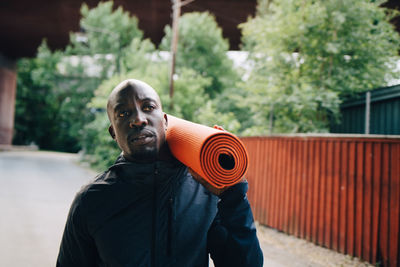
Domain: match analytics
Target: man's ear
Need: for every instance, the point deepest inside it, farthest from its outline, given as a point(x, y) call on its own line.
point(165, 121)
point(111, 131)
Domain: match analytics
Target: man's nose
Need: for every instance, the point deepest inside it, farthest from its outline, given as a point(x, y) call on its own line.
point(139, 120)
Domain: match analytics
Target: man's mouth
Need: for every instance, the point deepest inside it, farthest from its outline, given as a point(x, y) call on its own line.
point(142, 139)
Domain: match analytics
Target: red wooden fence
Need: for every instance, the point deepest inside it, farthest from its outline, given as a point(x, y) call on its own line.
point(338, 191)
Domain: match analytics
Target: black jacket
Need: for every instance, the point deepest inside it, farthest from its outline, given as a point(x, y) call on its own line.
point(156, 214)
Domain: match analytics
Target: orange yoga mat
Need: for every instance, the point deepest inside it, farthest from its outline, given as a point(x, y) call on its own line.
point(217, 156)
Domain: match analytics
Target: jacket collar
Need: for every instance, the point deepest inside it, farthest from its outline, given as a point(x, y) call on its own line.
point(149, 172)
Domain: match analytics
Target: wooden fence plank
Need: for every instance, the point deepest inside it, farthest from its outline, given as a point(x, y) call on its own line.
point(298, 188)
point(278, 186)
point(291, 213)
point(351, 199)
point(336, 196)
point(265, 179)
point(322, 195)
point(268, 178)
point(394, 223)
point(366, 253)
point(293, 220)
point(359, 199)
point(252, 178)
point(316, 189)
point(303, 193)
point(281, 183)
point(376, 188)
point(343, 193)
point(383, 249)
point(309, 188)
point(286, 210)
point(273, 204)
point(329, 196)
point(261, 166)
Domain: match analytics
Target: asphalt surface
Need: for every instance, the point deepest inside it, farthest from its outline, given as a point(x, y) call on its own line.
point(37, 189)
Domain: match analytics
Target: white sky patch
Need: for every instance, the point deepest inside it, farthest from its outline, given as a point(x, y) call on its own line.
point(239, 59)
point(395, 81)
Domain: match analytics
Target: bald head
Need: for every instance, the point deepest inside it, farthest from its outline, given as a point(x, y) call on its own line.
point(129, 85)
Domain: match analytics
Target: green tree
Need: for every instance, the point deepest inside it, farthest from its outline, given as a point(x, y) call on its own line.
point(201, 47)
point(307, 56)
point(35, 109)
point(55, 87)
point(105, 34)
point(50, 108)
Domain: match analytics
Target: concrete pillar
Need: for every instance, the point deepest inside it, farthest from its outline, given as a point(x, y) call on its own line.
point(8, 83)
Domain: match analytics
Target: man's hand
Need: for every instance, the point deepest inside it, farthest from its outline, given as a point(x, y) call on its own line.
point(201, 180)
point(218, 127)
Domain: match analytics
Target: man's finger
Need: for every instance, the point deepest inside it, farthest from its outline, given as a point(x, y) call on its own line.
point(219, 127)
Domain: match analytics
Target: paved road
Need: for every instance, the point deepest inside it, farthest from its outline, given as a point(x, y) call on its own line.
point(35, 194)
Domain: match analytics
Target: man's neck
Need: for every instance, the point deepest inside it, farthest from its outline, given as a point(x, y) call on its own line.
point(163, 155)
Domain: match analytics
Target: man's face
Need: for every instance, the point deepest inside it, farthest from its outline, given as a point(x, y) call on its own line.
point(138, 123)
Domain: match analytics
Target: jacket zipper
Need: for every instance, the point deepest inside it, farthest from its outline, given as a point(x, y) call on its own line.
point(153, 234)
point(170, 218)
point(169, 234)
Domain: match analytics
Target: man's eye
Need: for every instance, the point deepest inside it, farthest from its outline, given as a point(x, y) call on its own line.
point(123, 114)
point(148, 108)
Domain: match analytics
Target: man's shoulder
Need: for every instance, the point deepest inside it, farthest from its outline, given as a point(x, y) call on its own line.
point(100, 182)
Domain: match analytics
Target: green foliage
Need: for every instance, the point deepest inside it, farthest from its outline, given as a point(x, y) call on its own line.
point(100, 149)
point(34, 106)
point(138, 55)
point(202, 48)
point(189, 94)
point(48, 110)
point(108, 37)
point(55, 87)
point(210, 115)
point(105, 30)
point(155, 74)
point(309, 55)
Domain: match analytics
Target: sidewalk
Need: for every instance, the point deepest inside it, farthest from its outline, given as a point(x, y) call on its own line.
point(282, 250)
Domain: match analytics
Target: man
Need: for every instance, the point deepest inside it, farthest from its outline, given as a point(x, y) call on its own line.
point(148, 209)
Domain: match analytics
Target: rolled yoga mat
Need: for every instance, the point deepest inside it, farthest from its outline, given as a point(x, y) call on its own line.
point(217, 156)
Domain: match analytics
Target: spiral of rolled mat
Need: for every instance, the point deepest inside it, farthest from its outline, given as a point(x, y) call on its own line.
point(217, 156)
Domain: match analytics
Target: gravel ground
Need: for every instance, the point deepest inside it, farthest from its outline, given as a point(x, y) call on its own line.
point(282, 250)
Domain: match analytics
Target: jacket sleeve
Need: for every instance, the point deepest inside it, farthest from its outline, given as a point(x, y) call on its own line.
point(232, 239)
point(77, 247)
